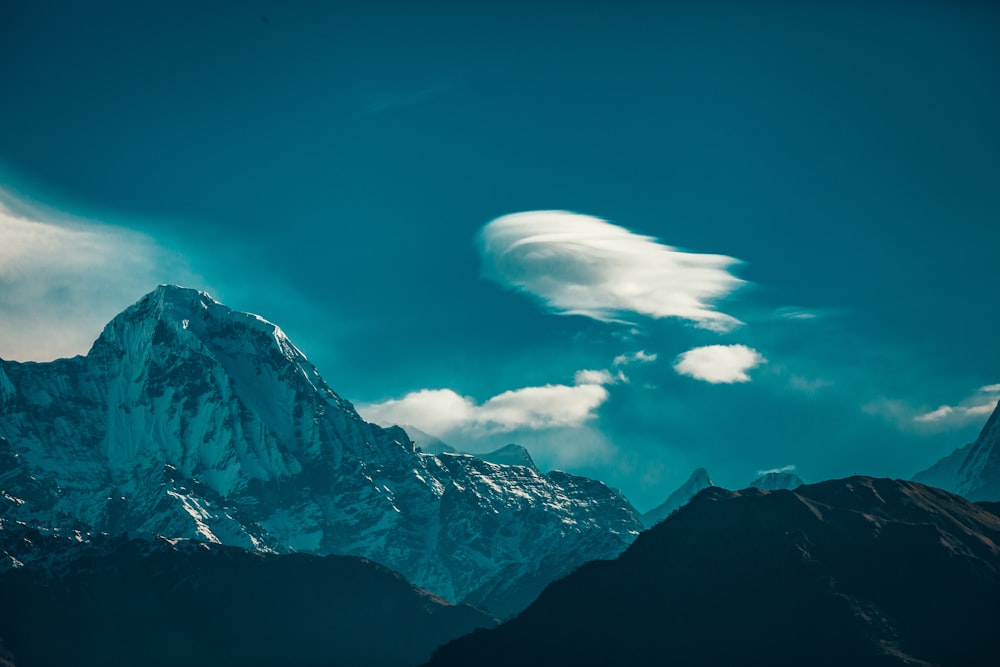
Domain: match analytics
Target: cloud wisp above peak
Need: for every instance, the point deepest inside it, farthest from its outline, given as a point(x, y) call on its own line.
point(61, 282)
point(974, 408)
point(981, 403)
point(957, 413)
point(719, 364)
point(582, 265)
point(776, 471)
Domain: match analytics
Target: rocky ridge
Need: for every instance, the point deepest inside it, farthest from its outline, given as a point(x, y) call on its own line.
point(189, 420)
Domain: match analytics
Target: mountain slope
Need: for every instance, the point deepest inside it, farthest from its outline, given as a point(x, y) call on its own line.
point(698, 481)
point(972, 471)
point(188, 419)
point(774, 481)
point(114, 601)
point(858, 571)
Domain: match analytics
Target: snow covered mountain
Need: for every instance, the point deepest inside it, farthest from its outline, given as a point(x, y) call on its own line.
point(189, 420)
point(972, 471)
point(775, 480)
point(698, 480)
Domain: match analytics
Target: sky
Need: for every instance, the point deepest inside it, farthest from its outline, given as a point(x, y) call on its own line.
point(637, 238)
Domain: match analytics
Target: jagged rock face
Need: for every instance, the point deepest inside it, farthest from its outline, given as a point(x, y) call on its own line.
point(187, 419)
point(972, 471)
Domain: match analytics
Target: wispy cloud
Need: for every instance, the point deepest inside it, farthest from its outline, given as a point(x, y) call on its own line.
point(957, 412)
point(980, 403)
point(788, 468)
point(719, 364)
point(444, 411)
point(808, 385)
point(973, 408)
point(388, 100)
point(640, 357)
point(61, 281)
point(792, 313)
point(582, 265)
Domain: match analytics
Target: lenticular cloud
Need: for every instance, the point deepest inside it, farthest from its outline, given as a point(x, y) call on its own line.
point(582, 265)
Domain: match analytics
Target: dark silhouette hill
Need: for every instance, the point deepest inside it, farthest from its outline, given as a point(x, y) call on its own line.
point(119, 602)
point(856, 571)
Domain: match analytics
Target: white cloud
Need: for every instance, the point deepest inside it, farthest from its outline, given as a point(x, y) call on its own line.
point(974, 408)
point(935, 415)
point(600, 377)
point(442, 411)
point(640, 357)
point(980, 403)
point(61, 281)
point(582, 265)
point(435, 411)
point(542, 407)
point(961, 412)
point(981, 409)
point(788, 468)
point(719, 363)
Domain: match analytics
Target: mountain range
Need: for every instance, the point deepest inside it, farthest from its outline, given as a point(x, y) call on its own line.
point(858, 571)
point(194, 484)
point(190, 420)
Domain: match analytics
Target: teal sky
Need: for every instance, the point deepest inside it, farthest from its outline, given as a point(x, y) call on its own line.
point(332, 167)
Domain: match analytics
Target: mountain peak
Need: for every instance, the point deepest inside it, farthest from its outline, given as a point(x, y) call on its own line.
point(171, 315)
point(700, 476)
point(775, 480)
point(169, 302)
point(698, 481)
point(510, 455)
point(972, 471)
point(178, 293)
point(189, 419)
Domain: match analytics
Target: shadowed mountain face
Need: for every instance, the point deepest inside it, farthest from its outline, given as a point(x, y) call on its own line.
point(854, 571)
point(120, 602)
point(972, 471)
point(698, 481)
point(188, 419)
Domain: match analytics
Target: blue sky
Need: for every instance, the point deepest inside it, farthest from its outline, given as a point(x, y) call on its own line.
point(831, 171)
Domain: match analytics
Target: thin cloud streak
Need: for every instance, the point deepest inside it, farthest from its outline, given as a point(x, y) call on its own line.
point(788, 468)
point(640, 357)
point(582, 265)
point(957, 412)
point(981, 403)
point(973, 408)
